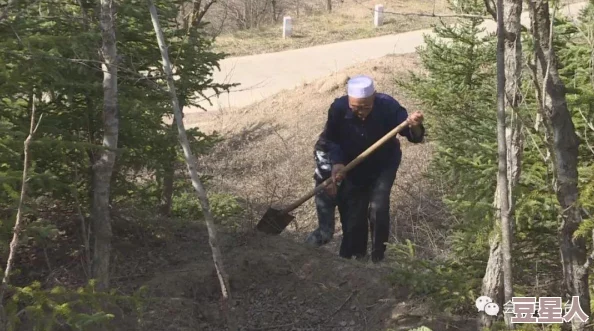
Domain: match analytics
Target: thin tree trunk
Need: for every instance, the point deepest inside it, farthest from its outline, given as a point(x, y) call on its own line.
point(502, 180)
point(191, 165)
point(329, 5)
point(103, 168)
point(273, 5)
point(18, 225)
point(168, 176)
point(564, 154)
point(493, 280)
point(513, 81)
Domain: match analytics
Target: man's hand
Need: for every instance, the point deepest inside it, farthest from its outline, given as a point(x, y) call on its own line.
point(337, 176)
point(415, 118)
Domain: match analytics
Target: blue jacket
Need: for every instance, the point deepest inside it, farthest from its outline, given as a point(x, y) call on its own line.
point(346, 136)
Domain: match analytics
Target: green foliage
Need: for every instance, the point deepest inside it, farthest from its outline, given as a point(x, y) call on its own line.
point(50, 60)
point(458, 95)
point(445, 281)
point(79, 309)
point(577, 53)
point(50, 52)
point(223, 207)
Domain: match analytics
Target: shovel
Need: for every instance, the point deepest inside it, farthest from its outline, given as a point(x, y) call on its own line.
point(275, 221)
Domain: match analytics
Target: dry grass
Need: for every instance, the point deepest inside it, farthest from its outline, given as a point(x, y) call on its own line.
point(266, 158)
point(349, 21)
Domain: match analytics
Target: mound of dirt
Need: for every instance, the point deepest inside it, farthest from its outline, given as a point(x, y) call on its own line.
point(277, 284)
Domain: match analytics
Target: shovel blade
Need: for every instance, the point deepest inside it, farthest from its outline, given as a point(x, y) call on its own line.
point(274, 222)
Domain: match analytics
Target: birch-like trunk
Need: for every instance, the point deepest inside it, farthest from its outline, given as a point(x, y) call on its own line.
point(498, 275)
point(18, 224)
point(513, 97)
point(502, 180)
point(191, 165)
point(564, 153)
point(103, 167)
point(493, 279)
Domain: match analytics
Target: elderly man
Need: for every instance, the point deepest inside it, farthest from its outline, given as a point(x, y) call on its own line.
point(355, 122)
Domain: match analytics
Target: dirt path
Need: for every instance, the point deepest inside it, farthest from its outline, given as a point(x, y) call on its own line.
point(264, 75)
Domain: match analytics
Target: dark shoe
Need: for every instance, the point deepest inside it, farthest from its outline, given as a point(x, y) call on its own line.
point(377, 257)
point(361, 257)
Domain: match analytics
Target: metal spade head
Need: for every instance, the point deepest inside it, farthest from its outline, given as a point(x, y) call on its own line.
point(274, 221)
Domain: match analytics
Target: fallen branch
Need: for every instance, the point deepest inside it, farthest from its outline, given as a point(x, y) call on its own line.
point(191, 164)
point(343, 304)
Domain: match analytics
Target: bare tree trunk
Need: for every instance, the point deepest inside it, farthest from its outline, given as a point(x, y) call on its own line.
point(329, 5)
point(18, 225)
point(513, 81)
point(502, 180)
point(274, 9)
point(103, 168)
point(564, 153)
point(169, 175)
point(191, 164)
point(493, 280)
point(493, 284)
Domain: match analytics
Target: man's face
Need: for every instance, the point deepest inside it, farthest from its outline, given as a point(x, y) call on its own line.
point(361, 106)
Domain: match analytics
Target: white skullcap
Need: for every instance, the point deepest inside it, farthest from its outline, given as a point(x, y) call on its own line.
point(360, 87)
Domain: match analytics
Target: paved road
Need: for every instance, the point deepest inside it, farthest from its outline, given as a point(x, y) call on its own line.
point(263, 75)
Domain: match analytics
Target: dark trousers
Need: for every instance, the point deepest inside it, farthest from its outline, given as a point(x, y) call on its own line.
point(326, 209)
point(367, 209)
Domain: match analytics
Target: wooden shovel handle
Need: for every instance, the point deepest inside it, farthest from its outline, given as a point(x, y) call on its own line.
point(348, 167)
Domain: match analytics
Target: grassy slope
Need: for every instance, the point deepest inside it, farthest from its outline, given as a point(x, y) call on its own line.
point(267, 156)
point(349, 21)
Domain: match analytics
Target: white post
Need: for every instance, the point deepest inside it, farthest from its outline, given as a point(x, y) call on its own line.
point(287, 27)
point(378, 17)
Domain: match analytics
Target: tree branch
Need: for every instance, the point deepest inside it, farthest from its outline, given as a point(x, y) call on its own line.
point(191, 165)
point(18, 226)
point(490, 9)
point(4, 13)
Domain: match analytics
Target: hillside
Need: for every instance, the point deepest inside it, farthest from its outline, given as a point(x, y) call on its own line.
point(266, 158)
point(267, 153)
